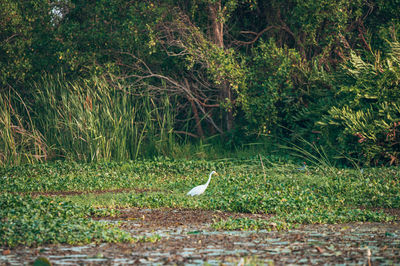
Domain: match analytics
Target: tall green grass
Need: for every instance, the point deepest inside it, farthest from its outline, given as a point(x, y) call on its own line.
point(96, 119)
point(311, 152)
point(86, 120)
point(20, 140)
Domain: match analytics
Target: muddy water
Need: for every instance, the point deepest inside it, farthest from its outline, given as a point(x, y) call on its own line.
point(197, 243)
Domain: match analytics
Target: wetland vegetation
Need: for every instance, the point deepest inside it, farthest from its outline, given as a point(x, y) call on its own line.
point(111, 111)
point(42, 202)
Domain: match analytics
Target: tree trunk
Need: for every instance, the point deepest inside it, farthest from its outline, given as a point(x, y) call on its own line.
point(217, 24)
point(218, 39)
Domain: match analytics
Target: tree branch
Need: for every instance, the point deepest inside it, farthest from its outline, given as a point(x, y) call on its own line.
point(258, 35)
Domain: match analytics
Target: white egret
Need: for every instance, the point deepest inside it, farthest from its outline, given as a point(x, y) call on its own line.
point(200, 189)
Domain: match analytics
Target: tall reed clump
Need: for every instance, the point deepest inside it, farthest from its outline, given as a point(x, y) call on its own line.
point(20, 141)
point(98, 120)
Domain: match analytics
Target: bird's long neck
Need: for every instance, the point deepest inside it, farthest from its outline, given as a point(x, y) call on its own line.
point(209, 179)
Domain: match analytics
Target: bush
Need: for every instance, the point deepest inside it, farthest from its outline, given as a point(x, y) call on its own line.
point(283, 91)
point(367, 119)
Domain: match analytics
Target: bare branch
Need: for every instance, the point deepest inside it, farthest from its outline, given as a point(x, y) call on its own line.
point(9, 38)
point(254, 33)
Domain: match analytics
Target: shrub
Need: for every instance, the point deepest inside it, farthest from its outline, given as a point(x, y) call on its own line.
point(367, 119)
point(283, 90)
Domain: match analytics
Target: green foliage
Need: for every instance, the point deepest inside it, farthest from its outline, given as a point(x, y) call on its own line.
point(26, 41)
point(367, 120)
point(99, 120)
point(317, 24)
point(219, 63)
point(313, 28)
point(211, 53)
point(312, 153)
point(95, 36)
point(36, 221)
point(70, 176)
point(283, 90)
point(270, 84)
point(382, 24)
point(280, 189)
point(303, 216)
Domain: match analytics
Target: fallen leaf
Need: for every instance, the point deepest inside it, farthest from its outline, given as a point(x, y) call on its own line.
point(320, 250)
point(6, 252)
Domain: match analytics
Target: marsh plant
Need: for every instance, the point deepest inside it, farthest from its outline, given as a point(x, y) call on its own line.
point(20, 140)
point(98, 120)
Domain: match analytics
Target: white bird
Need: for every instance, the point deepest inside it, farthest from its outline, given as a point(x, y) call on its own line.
point(200, 189)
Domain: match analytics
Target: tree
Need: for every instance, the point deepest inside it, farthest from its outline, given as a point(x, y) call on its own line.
point(26, 41)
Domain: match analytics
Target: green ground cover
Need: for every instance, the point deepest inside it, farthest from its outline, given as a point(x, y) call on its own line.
point(33, 221)
point(276, 187)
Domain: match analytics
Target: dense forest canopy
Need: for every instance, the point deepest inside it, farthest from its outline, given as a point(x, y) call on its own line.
point(117, 79)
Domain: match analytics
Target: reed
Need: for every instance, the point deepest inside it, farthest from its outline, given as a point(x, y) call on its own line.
point(20, 141)
point(311, 152)
point(95, 119)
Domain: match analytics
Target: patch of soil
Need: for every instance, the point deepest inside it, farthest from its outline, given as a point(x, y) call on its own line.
point(394, 212)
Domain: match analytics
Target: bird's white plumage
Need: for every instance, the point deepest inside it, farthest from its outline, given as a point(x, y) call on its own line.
point(200, 189)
